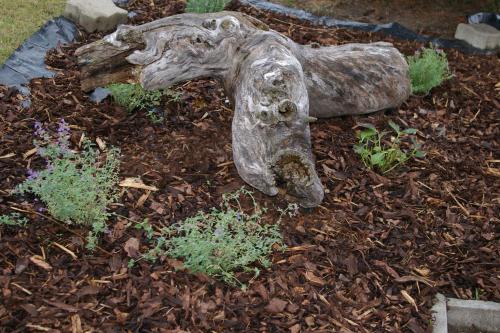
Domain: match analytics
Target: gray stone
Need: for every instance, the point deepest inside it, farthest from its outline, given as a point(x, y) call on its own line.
point(456, 315)
point(95, 15)
point(482, 36)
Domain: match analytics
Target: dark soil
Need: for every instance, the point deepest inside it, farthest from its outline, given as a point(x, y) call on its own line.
point(430, 17)
point(370, 259)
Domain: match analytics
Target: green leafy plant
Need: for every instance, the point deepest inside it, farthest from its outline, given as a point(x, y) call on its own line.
point(75, 187)
point(133, 97)
point(428, 69)
point(206, 6)
point(13, 220)
point(382, 154)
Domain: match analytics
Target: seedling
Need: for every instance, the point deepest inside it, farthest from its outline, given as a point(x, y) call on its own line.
point(383, 155)
point(428, 69)
point(13, 220)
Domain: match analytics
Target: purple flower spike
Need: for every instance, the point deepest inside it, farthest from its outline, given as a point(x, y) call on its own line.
point(32, 175)
point(63, 133)
point(40, 131)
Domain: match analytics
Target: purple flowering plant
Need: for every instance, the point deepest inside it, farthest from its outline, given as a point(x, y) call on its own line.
point(76, 187)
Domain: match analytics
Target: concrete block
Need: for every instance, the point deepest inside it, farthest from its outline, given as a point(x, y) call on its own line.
point(95, 15)
point(452, 315)
point(482, 36)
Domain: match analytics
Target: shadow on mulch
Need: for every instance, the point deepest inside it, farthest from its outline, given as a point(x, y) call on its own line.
point(370, 259)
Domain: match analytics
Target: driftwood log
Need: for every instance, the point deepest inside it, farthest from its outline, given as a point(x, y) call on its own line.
point(276, 85)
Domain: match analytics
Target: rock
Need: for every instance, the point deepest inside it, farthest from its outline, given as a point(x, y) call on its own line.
point(479, 35)
point(95, 15)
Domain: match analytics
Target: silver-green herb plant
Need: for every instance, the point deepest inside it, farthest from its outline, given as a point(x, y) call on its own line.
point(223, 241)
point(134, 97)
point(76, 187)
point(13, 220)
point(386, 155)
point(428, 69)
point(206, 6)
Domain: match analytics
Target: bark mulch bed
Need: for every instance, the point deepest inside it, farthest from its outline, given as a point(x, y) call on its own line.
point(370, 259)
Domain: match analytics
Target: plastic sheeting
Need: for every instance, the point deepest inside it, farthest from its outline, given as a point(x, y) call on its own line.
point(487, 18)
point(392, 29)
point(28, 61)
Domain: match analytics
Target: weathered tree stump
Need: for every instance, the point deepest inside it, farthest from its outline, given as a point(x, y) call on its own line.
point(276, 85)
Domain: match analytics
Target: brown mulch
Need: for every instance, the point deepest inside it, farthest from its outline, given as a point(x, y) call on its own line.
point(370, 259)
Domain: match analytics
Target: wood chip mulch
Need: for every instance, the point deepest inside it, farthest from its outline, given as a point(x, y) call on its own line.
point(370, 259)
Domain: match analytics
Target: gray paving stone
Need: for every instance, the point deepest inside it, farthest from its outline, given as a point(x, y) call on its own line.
point(95, 15)
point(479, 35)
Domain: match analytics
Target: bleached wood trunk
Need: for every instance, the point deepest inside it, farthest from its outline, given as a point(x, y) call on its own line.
point(276, 85)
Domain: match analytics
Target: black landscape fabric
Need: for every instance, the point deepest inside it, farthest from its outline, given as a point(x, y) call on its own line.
point(28, 61)
point(392, 29)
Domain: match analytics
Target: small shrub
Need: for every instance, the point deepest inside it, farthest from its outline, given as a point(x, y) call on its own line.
point(428, 69)
point(375, 153)
point(75, 187)
point(206, 6)
point(13, 220)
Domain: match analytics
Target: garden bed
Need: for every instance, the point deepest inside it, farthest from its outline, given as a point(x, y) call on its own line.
point(370, 259)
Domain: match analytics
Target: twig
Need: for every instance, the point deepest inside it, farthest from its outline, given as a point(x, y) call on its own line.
point(458, 203)
point(22, 288)
point(68, 251)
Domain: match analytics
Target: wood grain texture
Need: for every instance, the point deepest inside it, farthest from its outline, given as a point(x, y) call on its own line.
point(276, 85)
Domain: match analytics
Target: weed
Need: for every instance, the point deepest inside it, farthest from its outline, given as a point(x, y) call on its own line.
point(75, 187)
point(206, 6)
point(428, 69)
point(375, 153)
point(13, 220)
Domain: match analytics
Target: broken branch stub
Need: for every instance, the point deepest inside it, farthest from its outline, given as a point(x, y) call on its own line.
point(276, 85)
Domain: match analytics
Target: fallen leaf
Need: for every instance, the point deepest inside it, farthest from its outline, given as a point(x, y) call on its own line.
point(314, 279)
point(76, 324)
point(137, 183)
point(121, 317)
point(132, 247)
point(295, 328)
point(409, 299)
point(29, 153)
point(387, 268)
point(40, 262)
point(21, 264)
point(276, 305)
point(100, 142)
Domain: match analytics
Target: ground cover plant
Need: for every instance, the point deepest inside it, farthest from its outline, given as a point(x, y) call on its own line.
point(76, 187)
point(225, 240)
point(20, 19)
point(370, 259)
point(376, 152)
point(428, 69)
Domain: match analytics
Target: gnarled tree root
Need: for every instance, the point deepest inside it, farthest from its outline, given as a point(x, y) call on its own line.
point(276, 85)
